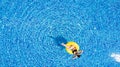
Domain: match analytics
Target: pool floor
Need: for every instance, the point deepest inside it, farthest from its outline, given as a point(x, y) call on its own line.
point(31, 32)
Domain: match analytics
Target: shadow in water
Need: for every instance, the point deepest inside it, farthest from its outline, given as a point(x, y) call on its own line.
point(58, 40)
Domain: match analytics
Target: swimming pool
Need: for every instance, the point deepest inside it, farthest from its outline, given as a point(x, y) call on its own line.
point(31, 32)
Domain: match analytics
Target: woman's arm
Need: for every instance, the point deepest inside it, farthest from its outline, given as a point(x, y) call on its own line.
point(80, 52)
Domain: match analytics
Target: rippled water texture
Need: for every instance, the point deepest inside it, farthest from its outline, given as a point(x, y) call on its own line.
point(31, 32)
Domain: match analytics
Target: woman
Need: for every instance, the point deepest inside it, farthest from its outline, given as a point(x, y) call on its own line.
point(74, 51)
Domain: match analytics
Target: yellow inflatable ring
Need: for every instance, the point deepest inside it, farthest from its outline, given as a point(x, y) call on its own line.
point(72, 44)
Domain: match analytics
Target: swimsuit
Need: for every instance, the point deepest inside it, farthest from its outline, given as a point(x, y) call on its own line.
point(74, 51)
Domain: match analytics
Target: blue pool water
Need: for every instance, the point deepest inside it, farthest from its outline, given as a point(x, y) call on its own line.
point(31, 32)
